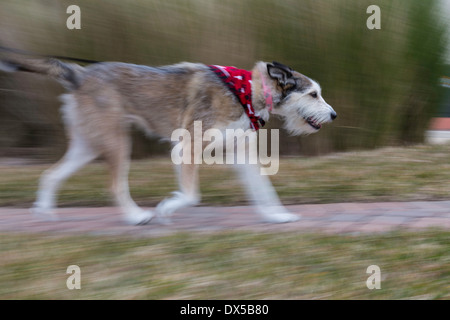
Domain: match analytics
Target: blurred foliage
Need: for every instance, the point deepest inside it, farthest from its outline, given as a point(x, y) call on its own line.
point(383, 83)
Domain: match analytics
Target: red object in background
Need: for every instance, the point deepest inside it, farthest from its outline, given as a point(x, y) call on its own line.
point(440, 124)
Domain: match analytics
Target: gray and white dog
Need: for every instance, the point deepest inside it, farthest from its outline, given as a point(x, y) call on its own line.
point(105, 99)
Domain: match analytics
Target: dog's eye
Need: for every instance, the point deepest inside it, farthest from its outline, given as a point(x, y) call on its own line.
point(313, 94)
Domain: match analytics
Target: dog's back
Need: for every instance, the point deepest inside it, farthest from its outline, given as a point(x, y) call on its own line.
point(156, 99)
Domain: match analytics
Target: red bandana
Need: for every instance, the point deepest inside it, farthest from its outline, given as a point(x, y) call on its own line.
point(239, 81)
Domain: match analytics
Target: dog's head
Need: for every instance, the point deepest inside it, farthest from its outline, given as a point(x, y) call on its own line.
point(298, 100)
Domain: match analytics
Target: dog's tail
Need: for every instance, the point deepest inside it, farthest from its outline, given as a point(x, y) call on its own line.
point(68, 74)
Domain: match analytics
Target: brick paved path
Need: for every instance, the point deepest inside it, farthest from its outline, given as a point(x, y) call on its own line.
point(333, 218)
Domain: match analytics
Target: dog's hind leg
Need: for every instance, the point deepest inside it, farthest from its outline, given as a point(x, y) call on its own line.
point(263, 195)
point(117, 156)
point(78, 154)
point(188, 195)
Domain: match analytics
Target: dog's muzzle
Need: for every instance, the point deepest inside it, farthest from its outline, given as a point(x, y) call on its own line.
point(317, 125)
point(313, 123)
point(333, 115)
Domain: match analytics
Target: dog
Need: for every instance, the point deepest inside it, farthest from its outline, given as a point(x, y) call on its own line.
point(104, 99)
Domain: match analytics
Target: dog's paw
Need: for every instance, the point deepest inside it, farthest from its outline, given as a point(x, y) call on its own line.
point(43, 213)
point(140, 217)
point(284, 217)
point(276, 214)
point(168, 206)
point(165, 221)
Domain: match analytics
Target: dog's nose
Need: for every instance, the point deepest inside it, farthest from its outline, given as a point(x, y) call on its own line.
point(333, 115)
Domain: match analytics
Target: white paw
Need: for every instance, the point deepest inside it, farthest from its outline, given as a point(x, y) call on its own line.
point(165, 221)
point(164, 211)
point(168, 206)
point(139, 217)
point(44, 214)
point(281, 217)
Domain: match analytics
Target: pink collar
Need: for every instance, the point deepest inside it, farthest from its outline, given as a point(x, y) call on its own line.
point(267, 94)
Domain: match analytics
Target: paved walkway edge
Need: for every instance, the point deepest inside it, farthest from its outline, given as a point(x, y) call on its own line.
point(337, 218)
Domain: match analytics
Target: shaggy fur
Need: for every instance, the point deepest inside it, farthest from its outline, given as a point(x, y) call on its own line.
point(105, 99)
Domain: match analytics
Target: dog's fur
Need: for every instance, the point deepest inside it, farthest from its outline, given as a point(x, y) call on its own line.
point(105, 98)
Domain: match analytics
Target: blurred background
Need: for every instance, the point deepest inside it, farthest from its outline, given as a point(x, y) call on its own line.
point(384, 83)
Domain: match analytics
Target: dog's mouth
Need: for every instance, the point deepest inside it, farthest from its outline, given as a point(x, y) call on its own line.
point(313, 123)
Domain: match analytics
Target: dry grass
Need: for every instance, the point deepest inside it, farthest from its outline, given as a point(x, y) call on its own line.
point(227, 266)
point(388, 174)
point(232, 265)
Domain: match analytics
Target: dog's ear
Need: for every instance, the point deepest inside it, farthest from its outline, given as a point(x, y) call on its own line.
point(280, 72)
point(282, 66)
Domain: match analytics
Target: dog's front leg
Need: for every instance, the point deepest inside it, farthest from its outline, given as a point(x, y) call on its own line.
point(263, 195)
point(188, 195)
